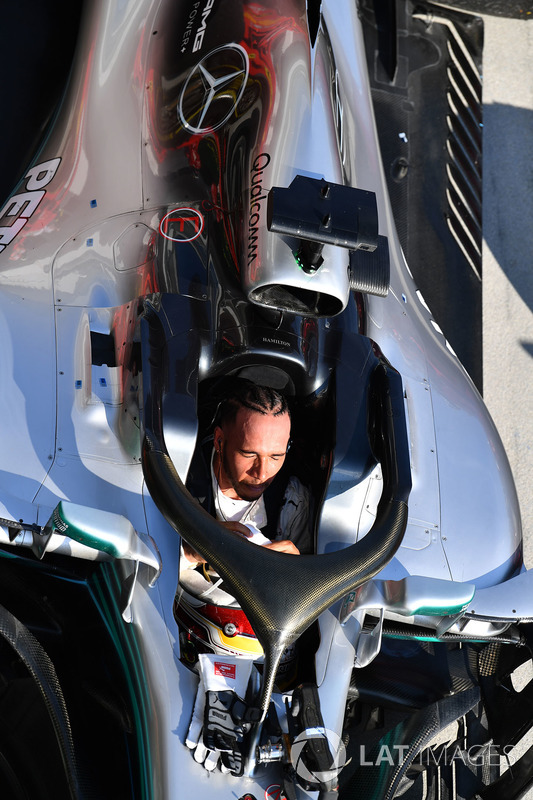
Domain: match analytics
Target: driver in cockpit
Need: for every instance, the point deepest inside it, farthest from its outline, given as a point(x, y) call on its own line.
point(248, 491)
point(239, 477)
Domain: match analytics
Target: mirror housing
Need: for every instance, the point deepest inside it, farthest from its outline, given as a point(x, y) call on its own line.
point(111, 534)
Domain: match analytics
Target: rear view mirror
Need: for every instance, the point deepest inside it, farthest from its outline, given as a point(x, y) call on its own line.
point(105, 531)
point(109, 533)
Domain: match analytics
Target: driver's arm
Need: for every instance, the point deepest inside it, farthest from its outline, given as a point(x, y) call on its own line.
point(283, 546)
point(195, 558)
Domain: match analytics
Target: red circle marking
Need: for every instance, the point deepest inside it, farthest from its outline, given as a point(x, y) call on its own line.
point(273, 792)
point(184, 215)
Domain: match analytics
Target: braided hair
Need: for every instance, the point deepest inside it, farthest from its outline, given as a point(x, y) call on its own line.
point(246, 394)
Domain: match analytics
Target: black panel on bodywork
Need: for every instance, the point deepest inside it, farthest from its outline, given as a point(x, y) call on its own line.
point(424, 69)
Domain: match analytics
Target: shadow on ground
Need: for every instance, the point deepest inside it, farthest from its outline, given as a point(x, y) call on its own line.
point(508, 195)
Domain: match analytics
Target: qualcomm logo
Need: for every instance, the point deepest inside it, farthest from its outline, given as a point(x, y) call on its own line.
point(213, 89)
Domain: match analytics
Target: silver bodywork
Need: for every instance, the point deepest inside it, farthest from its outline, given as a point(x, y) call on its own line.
point(94, 199)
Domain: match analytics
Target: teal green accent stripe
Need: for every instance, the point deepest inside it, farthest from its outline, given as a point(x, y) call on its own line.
point(106, 593)
point(420, 638)
point(443, 611)
point(67, 528)
point(95, 542)
point(411, 638)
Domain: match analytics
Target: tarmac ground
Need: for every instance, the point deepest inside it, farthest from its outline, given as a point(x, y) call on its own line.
point(507, 289)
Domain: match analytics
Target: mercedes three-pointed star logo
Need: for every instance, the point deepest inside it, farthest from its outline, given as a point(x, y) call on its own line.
point(213, 89)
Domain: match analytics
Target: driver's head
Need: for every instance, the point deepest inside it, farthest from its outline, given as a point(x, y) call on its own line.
point(251, 441)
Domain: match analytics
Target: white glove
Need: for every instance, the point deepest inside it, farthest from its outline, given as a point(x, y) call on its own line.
point(217, 674)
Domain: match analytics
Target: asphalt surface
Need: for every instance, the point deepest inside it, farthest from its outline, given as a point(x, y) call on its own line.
point(508, 247)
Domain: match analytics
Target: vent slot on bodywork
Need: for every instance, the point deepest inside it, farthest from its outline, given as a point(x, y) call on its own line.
point(103, 349)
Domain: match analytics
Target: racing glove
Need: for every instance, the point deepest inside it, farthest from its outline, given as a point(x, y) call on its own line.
point(220, 717)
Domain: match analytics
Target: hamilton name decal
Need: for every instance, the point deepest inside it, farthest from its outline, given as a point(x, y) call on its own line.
point(20, 207)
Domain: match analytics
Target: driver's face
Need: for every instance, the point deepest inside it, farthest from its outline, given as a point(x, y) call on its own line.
point(250, 452)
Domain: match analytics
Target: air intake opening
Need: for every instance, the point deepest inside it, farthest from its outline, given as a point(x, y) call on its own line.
point(297, 300)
